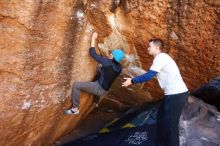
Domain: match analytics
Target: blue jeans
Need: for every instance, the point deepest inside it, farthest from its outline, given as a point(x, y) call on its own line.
point(168, 119)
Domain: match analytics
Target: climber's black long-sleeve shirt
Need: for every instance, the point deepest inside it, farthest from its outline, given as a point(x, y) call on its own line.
point(108, 72)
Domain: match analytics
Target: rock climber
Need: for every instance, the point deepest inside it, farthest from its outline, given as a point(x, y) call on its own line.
point(109, 71)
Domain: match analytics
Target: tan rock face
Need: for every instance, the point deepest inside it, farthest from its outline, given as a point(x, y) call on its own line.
point(44, 49)
point(190, 31)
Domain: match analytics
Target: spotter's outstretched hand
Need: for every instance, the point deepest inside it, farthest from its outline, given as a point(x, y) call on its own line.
point(127, 82)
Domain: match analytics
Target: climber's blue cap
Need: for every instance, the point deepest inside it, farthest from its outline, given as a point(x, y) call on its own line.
point(118, 55)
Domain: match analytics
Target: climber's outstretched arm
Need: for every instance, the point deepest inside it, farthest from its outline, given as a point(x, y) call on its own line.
point(93, 41)
point(102, 60)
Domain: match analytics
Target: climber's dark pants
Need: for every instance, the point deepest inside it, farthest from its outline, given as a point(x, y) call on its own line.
point(88, 87)
point(168, 119)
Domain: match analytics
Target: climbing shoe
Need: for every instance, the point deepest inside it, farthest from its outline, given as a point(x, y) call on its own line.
point(72, 111)
point(96, 100)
